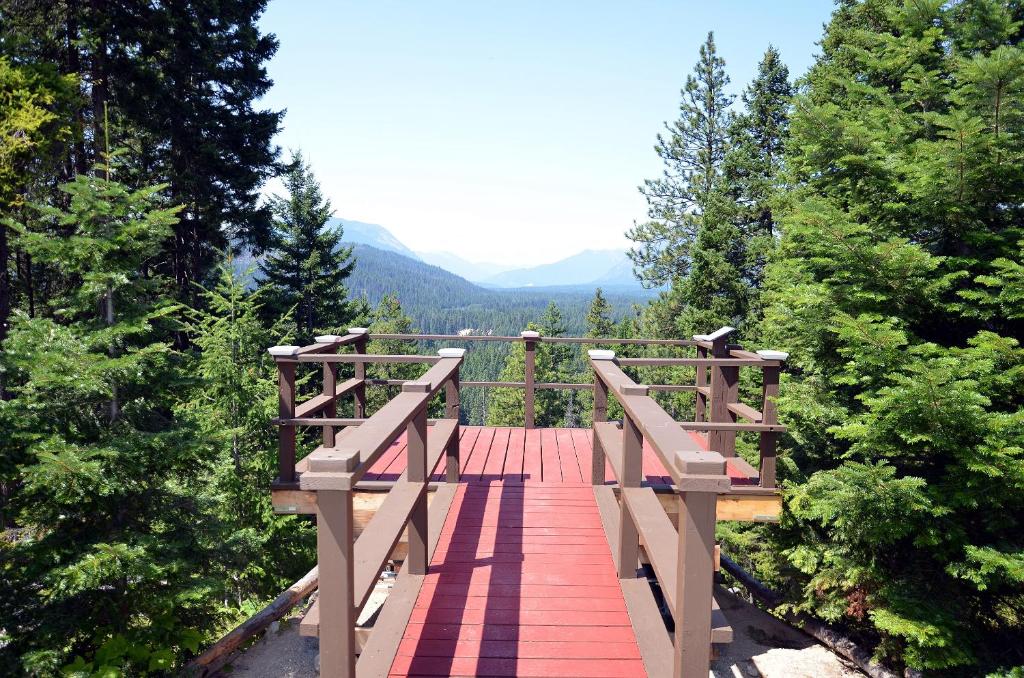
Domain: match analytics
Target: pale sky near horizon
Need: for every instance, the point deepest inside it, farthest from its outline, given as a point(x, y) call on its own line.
point(504, 132)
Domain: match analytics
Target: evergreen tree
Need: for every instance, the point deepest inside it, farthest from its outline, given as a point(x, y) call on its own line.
point(113, 491)
point(752, 171)
point(507, 406)
point(692, 242)
point(894, 290)
point(233, 398)
point(181, 81)
point(692, 153)
point(307, 268)
point(599, 321)
point(389, 318)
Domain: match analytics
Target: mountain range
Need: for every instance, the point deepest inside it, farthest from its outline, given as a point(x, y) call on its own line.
point(586, 269)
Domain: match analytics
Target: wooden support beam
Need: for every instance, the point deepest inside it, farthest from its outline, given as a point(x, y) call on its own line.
point(530, 339)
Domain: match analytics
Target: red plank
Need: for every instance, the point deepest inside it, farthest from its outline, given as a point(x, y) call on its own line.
point(527, 668)
point(571, 471)
point(531, 455)
point(442, 600)
point(496, 457)
point(514, 648)
point(522, 591)
point(513, 471)
point(475, 465)
point(444, 615)
point(466, 445)
point(551, 471)
point(561, 633)
point(386, 459)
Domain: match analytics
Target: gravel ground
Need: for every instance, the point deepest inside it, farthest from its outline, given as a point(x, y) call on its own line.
point(762, 646)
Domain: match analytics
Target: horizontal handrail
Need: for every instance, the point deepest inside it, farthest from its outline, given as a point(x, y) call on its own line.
point(359, 450)
point(679, 453)
point(595, 341)
point(364, 358)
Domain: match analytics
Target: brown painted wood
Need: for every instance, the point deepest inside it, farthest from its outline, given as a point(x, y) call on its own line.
point(286, 410)
point(701, 387)
point(679, 453)
point(417, 472)
point(530, 346)
point(730, 426)
point(694, 579)
point(629, 477)
point(453, 404)
point(335, 562)
point(600, 416)
point(379, 651)
point(746, 411)
point(365, 358)
point(722, 383)
point(378, 540)
point(695, 362)
point(651, 635)
point(330, 408)
point(608, 435)
point(375, 435)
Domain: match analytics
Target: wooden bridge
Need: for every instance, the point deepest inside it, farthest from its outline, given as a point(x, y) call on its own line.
point(523, 550)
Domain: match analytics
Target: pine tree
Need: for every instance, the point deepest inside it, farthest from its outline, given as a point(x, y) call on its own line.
point(900, 236)
point(114, 488)
point(229, 406)
point(599, 321)
point(692, 153)
point(308, 265)
point(389, 318)
point(181, 81)
point(752, 171)
point(507, 406)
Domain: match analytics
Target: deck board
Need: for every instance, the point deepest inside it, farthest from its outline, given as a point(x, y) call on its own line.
point(551, 456)
point(506, 595)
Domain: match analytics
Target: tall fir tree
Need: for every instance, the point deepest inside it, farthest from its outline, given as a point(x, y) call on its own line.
point(753, 172)
point(308, 265)
point(181, 81)
point(599, 320)
point(113, 502)
point(893, 290)
point(692, 153)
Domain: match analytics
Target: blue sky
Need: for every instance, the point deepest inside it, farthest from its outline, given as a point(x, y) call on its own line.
point(514, 132)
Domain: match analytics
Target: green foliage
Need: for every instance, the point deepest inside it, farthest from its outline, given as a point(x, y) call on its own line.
point(111, 484)
point(896, 289)
point(307, 268)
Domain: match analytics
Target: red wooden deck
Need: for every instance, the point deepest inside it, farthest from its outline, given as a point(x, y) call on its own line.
point(544, 455)
point(522, 582)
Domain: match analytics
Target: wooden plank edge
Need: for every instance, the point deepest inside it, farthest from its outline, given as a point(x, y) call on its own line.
point(379, 652)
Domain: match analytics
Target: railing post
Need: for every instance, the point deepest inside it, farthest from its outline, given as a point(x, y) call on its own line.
point(701, 402)
point(452, 404)
point(530, 344)
point(359, 393)
point(769, 415)
point(283, 356)
point(632, 469)
point(334, 547)
point(416, 561)
point(694, 579)
point(724, 389)
point(330, 386)
point(598, 462)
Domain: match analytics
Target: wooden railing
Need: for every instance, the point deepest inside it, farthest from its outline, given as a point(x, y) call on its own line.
point(718, 409)
point(348, 568)
point(683, 558)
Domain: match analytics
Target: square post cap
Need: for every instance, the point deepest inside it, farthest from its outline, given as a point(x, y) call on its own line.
point(328, 338)
point(283, 351)
point(634, 389)
point(451, 352)
point(773, 355)
point(529, 334)
point(717, 334)
point(601, 354)
point(358, 330)
point(416, 387)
